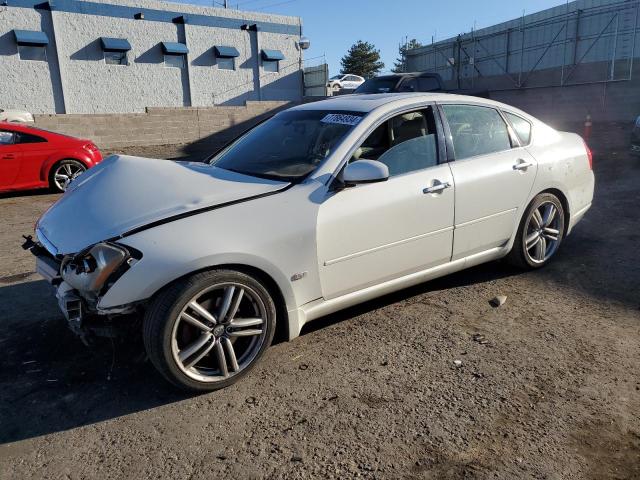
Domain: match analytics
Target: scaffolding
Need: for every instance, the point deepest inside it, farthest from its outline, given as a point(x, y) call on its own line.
point(581, 42)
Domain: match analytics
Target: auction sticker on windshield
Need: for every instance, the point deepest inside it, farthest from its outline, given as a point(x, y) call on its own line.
point(341, 119)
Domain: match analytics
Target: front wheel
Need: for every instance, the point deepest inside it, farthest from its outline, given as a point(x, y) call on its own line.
point(540, 232)
point(207, 331)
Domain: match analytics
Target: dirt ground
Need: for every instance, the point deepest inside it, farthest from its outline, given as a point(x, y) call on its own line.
point(550, 390)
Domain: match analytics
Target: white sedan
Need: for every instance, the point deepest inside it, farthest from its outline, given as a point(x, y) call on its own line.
point(323, 206)
point(345, 82)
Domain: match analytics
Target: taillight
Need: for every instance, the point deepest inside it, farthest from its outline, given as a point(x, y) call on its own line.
point(589, 155)
point(90, 147)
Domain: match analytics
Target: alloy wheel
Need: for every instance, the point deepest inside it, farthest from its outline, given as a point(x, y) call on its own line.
point(65, 173)
point(219, 332)
point(544, 232)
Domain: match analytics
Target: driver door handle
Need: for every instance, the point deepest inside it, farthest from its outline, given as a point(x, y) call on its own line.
point(436, 188)
point(8, 156)
point(522, 165)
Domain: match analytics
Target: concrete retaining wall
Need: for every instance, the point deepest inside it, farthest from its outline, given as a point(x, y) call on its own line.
point(203, 127)
point(557, 106)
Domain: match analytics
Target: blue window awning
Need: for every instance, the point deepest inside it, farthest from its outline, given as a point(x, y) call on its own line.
point(226, 52)
point(272, 55)
point(174, 48)
point(115, 44)
point(31, 38)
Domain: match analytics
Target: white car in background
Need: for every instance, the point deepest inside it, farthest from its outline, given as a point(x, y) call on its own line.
point(345, 82)
point(15, 116)
point(323, 206)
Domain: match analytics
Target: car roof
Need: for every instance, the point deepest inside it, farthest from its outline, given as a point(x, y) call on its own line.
point(21, 127)
point(367, 102)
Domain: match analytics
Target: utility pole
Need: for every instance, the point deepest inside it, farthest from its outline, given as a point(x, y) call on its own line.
point(226, 4)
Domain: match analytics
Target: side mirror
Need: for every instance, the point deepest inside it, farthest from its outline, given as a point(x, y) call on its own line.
point(365, 171)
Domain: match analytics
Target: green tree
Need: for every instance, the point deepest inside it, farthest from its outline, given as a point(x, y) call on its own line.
point(401, 63)
point(362, 59)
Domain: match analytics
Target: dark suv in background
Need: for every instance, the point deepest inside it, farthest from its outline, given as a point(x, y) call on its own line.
point(412, 82)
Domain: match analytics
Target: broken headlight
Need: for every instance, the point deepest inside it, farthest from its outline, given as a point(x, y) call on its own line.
point(89, 270)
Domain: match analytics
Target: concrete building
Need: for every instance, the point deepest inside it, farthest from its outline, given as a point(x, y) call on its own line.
point(559, 64)
point(121, 56)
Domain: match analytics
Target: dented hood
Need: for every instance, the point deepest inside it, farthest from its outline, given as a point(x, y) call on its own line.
point(124, 193)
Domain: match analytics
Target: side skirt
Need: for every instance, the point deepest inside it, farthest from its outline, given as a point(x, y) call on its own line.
point(320, 308)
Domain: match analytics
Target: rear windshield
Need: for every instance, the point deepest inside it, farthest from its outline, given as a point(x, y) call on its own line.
point(377, 85)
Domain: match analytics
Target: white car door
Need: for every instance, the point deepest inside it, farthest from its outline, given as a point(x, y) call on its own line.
point(350, 82)
point(374, 232)
point(493, 176)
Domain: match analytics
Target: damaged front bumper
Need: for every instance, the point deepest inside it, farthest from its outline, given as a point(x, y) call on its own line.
point(80, 280)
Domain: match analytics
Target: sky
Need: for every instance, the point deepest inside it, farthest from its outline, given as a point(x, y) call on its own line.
point(333, 26)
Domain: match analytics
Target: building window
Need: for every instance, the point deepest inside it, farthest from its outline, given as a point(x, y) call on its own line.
point(116, 58)
point(271, 60)
point(226, 63)
point(33, 52)
point(271, 65)
point(115, 50)
point(174, 61)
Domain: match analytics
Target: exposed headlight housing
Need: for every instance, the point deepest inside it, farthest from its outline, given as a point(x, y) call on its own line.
point(89, 270)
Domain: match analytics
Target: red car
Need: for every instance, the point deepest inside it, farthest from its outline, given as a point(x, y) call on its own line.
point(34, 158)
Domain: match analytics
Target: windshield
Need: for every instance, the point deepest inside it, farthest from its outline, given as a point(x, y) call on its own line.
point(377, 85)
point(288, 146)
point(336, 77)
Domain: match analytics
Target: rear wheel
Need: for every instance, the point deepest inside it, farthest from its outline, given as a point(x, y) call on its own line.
point(540, 232)
point(63, 172)
point(207, 331)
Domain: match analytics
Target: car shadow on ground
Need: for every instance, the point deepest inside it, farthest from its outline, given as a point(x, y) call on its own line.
point(26, 193)
point(51, 382)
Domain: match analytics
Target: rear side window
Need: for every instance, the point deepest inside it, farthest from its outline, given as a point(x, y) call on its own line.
point(476, 130)
point(6, 138)
point(27, 138)
point(521, 126)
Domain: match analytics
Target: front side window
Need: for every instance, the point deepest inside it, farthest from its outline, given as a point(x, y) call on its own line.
point(271, 65)
point(405, 143)
point(174, 61)
point(6, 138)
point(226, 63)
point(521, 126)
point(476, 130)
point(289, 146)
point(33, 52)
point(115, 58)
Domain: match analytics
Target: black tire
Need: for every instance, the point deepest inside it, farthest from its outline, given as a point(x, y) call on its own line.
point(518, 256)
point(162, 315)
point(74, 165)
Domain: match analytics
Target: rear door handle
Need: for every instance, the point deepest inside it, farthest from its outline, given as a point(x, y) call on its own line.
point(8, 156)
point(522, 165)
point(437, 187)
